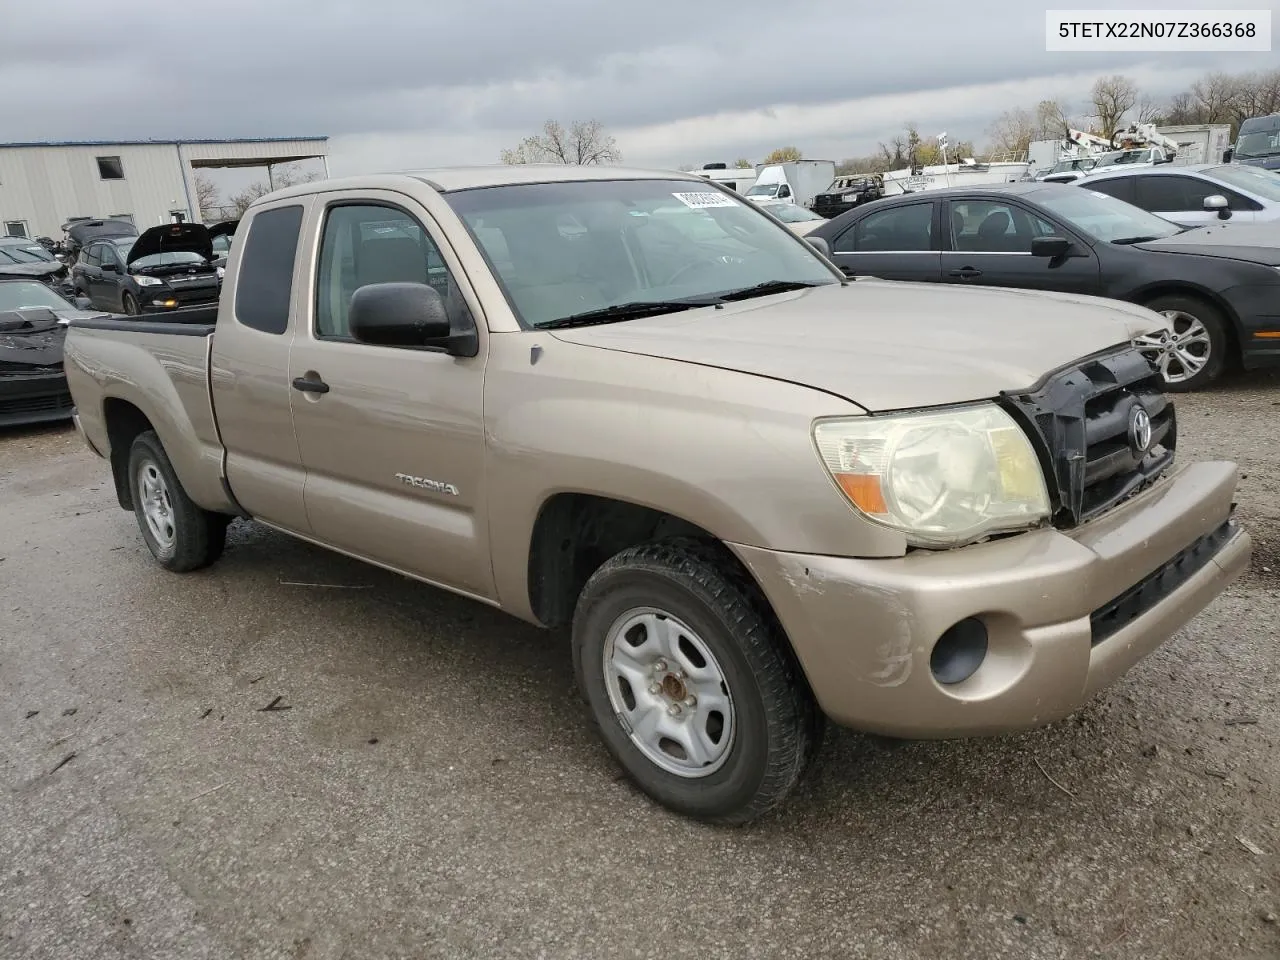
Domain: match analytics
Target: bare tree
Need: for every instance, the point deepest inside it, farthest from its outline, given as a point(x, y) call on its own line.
point(285, 175)
point(1052, 120)
point(585, 142)
point(1217, 96)
point(1149, 111)
point(783, 155)
point(1013, 131)
point(1112, 98)
point(894, 155)
point(1182, 110)
point(208, 196)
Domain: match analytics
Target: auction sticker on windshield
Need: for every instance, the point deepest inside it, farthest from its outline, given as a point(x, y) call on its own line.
point(709, 198)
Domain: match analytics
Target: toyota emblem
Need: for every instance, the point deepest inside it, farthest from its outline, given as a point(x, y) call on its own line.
point(1139, 430)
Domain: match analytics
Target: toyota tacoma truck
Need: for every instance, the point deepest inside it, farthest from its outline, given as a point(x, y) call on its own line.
point(756, 495)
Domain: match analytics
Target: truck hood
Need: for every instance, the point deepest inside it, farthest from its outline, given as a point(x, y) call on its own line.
point(887, 346)
point(32, 271)
point(1252, 242)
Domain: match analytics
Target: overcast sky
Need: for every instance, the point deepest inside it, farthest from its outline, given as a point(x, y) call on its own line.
point(413, 83)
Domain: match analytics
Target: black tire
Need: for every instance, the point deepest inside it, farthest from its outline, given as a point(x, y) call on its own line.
point(129, 304)
point(198, 536)
point(1215, 325)
point(776, 722)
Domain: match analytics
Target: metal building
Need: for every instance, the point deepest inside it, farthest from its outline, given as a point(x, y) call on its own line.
point(42, 185)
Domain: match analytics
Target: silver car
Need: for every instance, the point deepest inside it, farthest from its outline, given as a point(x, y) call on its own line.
point(1195, 195)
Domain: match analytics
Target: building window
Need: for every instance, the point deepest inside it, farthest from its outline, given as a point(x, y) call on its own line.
point(15, 228)
point(110, 168)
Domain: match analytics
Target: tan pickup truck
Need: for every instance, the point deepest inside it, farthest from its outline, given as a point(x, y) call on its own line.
point(761, 495)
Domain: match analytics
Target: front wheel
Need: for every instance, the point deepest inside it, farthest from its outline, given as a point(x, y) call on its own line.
point(694, 690)
point(1195, 352)
point(180, 535)
point(129, 303)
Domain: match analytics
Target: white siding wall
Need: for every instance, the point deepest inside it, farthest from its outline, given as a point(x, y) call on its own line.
point(44, 185)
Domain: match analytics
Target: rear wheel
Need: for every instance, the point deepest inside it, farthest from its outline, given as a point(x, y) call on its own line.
point(129, 303)
point(693, 688)
point(1195, 353)
point(180, 535)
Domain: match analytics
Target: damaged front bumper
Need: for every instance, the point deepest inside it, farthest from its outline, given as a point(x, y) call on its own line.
point(1031, 625)
point(37, 397)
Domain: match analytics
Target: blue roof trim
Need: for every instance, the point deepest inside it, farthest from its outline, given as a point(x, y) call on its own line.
point(160, 143)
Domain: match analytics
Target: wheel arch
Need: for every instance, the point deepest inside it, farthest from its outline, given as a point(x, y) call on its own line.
point(1183, 288)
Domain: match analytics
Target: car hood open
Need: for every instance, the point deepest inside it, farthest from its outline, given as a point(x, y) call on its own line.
point(1252, 242)
point(172, 238)
point(887, 346)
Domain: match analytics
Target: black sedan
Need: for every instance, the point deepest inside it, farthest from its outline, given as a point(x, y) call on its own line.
point(1218, 285)
point(168, 268)
point(33, 324)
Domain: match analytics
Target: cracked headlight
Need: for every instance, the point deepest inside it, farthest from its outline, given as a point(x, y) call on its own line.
point(942, 478)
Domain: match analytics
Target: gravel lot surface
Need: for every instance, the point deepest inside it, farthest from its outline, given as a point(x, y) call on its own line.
point(428, 785)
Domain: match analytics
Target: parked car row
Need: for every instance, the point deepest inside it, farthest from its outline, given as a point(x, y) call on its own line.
point(1213, 273)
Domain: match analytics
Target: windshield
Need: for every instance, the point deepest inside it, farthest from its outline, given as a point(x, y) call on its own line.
point(764, 190)
point(168, 259)
point(1127, 156)
point(1262, 183)
point(23, 295)
point(563, 249)
point(792, 213)
point(1103, 216)
point(1254, 146)
point(1066, 166)
point(21, 253)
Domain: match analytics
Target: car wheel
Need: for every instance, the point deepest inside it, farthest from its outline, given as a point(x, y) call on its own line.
point(1196, 352)
point(180, 535)
point(130, 304)
point(694, 688)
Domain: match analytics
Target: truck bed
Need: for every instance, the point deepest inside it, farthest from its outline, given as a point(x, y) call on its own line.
point(160, 366)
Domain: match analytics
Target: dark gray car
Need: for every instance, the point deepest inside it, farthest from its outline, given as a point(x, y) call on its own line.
point(1218, 285)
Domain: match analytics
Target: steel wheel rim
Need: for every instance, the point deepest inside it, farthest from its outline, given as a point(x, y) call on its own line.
point(669, 693)
point(130, 305)
point(1177, 353)
point(157, 510)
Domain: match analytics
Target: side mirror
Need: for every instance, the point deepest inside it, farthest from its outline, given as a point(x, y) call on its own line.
point(111, 268)
point(1217, 202)
point(1227, 155)
point(84, 303)
point(1050, 247)
point(820, 245)
point(406, 315)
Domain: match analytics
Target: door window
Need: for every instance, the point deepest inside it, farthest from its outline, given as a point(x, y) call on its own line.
point(364, 244)
point(991, 226)
point(1171, 194)
point(89, 256)
point(107, 256)
point(264, 286)
point(904, 229)
point(1119, 187)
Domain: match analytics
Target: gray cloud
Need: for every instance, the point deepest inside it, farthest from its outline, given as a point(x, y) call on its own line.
point(472, 69)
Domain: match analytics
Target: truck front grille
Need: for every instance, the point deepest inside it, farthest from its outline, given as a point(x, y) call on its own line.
point(1082, 421)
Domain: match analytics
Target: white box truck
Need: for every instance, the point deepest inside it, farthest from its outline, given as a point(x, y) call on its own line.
point(1198, 142)
point(796, 181)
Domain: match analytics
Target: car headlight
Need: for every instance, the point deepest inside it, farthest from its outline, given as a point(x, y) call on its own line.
point(942, 478)
point(144, 281)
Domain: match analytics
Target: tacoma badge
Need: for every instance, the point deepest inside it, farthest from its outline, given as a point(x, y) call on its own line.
point(423, 483)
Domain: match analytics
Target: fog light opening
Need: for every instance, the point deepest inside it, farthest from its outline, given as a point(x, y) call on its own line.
point(959, 651)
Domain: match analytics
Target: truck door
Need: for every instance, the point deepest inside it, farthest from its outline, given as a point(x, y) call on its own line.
point(249, 368)
point(392, 438)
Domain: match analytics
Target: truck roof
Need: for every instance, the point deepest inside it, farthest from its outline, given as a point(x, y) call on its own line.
point(445, 179)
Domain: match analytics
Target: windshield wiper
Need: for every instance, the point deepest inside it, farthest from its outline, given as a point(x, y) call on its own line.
point(766, 288)
point(1127, 241)
point(627, 311)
